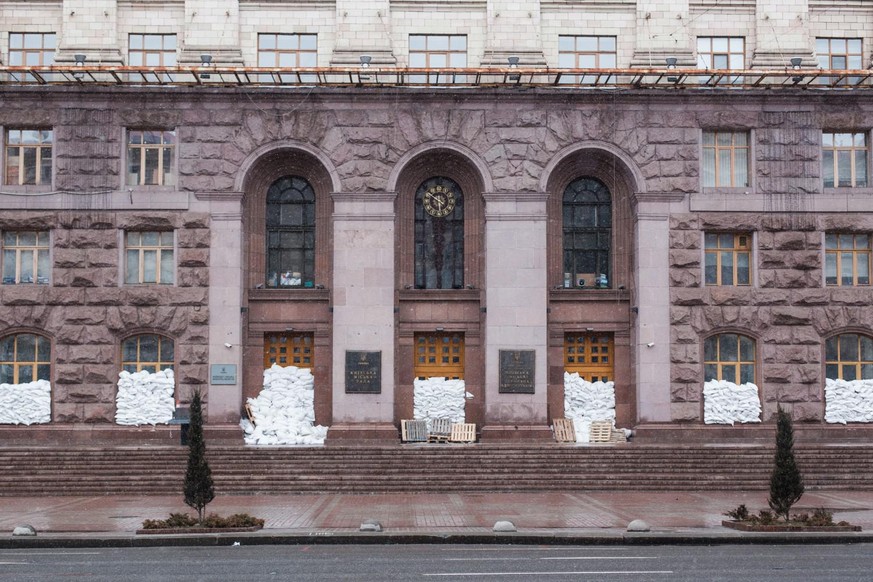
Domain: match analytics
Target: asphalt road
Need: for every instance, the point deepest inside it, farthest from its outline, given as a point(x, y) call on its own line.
point(814, 563)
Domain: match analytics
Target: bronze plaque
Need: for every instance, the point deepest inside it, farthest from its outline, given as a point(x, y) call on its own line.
point(517, 371)
point(363, 372)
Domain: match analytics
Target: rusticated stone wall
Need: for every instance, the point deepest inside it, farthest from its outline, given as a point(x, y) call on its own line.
point(87, 311)
point(789, 311)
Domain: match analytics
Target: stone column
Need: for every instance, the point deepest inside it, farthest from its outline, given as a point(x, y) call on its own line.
point(363, 311)
point(662, 31)
point(211, 27)
point(652, 330)
point(514, 30)
point(225, 302)
point(363, 28)
point(517, 303)
point(782, 32)
point(90, 28)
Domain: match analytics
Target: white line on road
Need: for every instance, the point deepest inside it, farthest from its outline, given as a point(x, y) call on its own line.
point(600, 558)
point(12, 563)
point(572, 573)
point(49, 553)
point(545, 549)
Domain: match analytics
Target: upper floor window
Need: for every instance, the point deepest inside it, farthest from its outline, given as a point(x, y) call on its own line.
point(291, 233)
point(147, 352)
point(844, 159)
point(728, 257)
point(28, 156)
point(436, 51)
point(148, 258)
point(839, 54)
point(585, 52)
point(151, 156)
point(729, 357)
point(31, 49)
point(439, 235)
point(587, 233)
point(287, 50)
point(847, 259)
point(720, 52)
point(849, 357)
point(24, 357)
point(152, 50)
point(726, 157)
point(26, 257)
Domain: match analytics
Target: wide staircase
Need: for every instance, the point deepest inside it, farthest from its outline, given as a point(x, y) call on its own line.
point(159, 470)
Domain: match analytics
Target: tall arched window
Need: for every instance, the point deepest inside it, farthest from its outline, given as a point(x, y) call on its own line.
point(439, 235)
point(290, 233)
point(730, 357)
point(24, 357)
point(849, 357)
point(587, 210)
point(148, 352)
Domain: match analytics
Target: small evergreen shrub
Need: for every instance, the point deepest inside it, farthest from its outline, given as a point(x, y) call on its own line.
point(741, 513)
point(212, 521)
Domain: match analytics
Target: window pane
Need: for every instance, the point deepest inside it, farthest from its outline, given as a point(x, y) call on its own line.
point(827, 168)
point(711, 269)
point(846, 274)
point(831, 348)
point(167, 350)
point(850, 372)
point(727, 348)
point(743, 269)
point(710, 372)
point(151, 166)
point(710, 348)
point(727, 268)
point(866, 348)
point(831, 268)
point(832, 371)
point(849, 347)
point(747, 373)
point(729, 373)
point(148, 348)
point(863, 272)
point(167, 267)
point(724, 167)
point(149, 270)
point(26, 348)
point(43, 267)
point(747, 349)
point(860, 168)
point(128, 350)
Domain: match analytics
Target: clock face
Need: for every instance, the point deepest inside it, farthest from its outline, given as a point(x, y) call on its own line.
point(439, 201)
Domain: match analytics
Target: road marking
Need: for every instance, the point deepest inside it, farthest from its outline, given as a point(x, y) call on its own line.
point(494, 559)
point(547, 549)
point(572, 573)
point(49, 553)
point(12, 563)
point(600, 558)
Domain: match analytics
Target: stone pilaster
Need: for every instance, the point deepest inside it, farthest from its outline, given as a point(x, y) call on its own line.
point(517, 303)
point(363, 28)
point(513, 31)
point(211, 27)
point(662, 32)
point(782, 33)
point(90, 28)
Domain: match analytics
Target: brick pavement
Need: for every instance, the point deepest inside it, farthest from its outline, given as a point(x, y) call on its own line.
point(454, 512)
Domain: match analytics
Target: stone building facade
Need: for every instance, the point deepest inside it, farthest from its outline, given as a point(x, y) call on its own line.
point(512, 153)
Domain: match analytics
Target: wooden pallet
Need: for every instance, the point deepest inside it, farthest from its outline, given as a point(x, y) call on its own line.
point(440, 430)
point(249, 414)
point(413, 431)
point(463, 433)
point(601, 432)
point(565, 432)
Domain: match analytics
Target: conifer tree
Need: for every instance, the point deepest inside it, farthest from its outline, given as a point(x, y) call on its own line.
point(199, 489)
point(786, 483)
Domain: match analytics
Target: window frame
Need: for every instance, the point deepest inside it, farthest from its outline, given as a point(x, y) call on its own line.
point(19, 248)
point(306, 278)
point(35, 364)
point(827, 58)
point(578, 53)
point(860, 363)
point(427, 252)
point(598, 230)
point(39, 184)
point(750, 159)
point(141, 249)
point(139, 363)
point(428, 54)
point(737, 364)
point(161, 53)
point(735, 251)
point(853, 149)
point(277, 51)
point(174, 158)
point(23, 51)
point(838, 251)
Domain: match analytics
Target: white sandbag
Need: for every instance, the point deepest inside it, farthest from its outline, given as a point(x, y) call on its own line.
point(726, 403)
point(284, 411)
point(438, 397)
point(145, 398)
point(586, 402)
point(848, 401)
point(27, 403)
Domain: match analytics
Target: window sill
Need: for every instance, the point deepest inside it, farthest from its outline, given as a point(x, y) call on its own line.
point(439, 295)
point(23, 190)
point(301, 294)
point(589, 295)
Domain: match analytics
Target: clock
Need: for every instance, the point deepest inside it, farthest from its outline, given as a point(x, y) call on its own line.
point(439, 201)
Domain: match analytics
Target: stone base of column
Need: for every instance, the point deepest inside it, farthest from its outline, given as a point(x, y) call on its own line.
point(101, 56)
point(516, 433)
point(229, 57)
point(362, 434)
point(657, 59)
point(782, 60)
point(352, 58)
point(526, 58)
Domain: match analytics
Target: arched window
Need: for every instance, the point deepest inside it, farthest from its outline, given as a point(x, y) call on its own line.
point(587, 210)
point(730, 357)
point(290, 233)
point(148, 352)
point(849, 357)
point(439, 235)
point(24, 357)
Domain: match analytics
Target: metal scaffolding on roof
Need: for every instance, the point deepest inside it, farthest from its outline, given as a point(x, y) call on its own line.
point(221, 76)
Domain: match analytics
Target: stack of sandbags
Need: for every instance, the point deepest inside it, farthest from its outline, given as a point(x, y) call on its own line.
point(586, 402)
point(145, 398)
point(29, 403)
point(438, 397)
point(726, 403)
point(848, 401)
point(284, 411)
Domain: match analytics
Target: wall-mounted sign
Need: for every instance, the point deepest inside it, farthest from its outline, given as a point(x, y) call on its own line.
point(222, 374)
point(363, 372)
point(517, 371)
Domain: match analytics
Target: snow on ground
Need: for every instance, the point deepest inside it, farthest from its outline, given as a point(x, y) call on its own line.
point(145, 398)
point(29, 403)
point(284, 411)
point(439, 398)
point(726, 403)
point(848, 401)
point(586, 402)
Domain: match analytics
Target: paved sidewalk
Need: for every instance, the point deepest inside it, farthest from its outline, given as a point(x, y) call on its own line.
point(595, 517)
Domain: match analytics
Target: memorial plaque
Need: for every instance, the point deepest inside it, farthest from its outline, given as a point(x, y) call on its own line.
point(517, 369)
point(363, 372)
point(222, 374)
